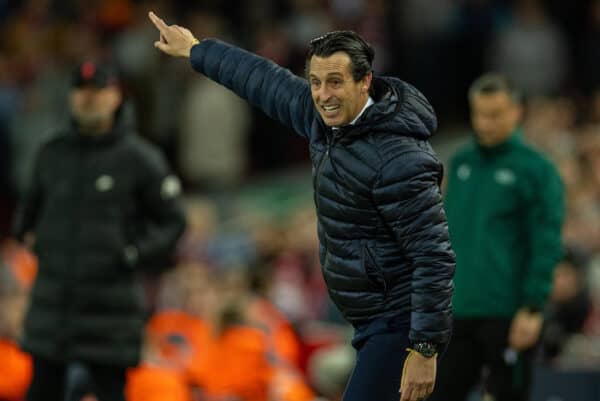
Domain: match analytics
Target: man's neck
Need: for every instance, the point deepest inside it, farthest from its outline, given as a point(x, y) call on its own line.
point(97, 130)
point(368, 103)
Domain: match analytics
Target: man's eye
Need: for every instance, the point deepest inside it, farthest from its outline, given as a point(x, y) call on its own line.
point(315, 83)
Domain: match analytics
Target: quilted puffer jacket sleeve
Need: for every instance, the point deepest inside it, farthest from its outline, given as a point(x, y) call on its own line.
point(280, 94)
point(27, 212)
point(408, 197)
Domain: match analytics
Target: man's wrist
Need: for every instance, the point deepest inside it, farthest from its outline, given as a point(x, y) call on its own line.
point(425, 348)
point(531, 308)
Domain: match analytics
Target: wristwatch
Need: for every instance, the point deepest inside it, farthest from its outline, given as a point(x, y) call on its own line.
point(427, 349)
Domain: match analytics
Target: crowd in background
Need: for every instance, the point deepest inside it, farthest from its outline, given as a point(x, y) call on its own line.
point(248, 262)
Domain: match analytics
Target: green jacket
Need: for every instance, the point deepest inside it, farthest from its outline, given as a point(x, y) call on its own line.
point(505, 209)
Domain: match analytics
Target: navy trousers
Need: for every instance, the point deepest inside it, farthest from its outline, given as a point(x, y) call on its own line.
point(378, 370)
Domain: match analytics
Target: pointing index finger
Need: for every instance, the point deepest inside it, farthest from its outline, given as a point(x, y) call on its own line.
point(158, 22)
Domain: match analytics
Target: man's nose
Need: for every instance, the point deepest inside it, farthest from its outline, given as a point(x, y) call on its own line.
point(323, 94)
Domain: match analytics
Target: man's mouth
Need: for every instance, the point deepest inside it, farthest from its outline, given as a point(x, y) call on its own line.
point(330, 108)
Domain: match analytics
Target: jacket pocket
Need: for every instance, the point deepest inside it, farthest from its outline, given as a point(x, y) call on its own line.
point(372, 272)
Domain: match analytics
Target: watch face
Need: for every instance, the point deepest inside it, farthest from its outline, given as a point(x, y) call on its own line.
point(426, 349)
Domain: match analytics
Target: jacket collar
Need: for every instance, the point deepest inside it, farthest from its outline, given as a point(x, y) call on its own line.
point(124, 123)
point(503, 147)
point(398, 108)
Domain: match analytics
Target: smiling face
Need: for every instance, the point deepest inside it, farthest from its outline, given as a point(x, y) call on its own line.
point(337, 96)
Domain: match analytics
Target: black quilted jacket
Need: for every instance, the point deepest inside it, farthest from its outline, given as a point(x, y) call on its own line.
point(90, 198)
point(384, 244)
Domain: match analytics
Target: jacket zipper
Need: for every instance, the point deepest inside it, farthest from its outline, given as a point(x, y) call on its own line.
point(319, 171)
point(77, 188)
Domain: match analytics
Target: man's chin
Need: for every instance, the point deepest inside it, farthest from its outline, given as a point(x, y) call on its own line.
point(87, 120)
point(91, 125)
point(331, 122)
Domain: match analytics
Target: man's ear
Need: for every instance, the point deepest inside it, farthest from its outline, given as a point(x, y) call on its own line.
point(116, 96)
point(518, 113)
point(366, 82)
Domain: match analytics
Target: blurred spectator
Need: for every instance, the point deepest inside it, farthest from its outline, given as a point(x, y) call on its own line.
point(372, 25)
point(583, 350)
point(421, 20)
point(114, 15)
point(223, 341)
point(138, 64)
point(21, 262)
point(297, 286)
point(330, 369)
point(252, 352)
point(550, 126)
point(213, 129)
point(155, 383)
point(202, 218)
point(262, 313)
point(15, 366)
point(569, 303)
point(582, 226)
point(211, 149)
point(101, 206)
point(307, 19)
point(531, 50)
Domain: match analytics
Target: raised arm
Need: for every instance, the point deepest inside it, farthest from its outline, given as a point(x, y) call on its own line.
point(279, 93)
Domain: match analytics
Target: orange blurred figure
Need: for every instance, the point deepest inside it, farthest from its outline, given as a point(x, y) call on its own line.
point(16, 371)
point(21, 261)
point(153, 383)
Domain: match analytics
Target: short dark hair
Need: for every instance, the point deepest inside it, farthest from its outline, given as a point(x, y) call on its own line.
point(360, 52)
point(495, 83)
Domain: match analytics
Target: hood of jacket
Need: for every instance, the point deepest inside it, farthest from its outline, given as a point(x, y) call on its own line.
point(399, 108)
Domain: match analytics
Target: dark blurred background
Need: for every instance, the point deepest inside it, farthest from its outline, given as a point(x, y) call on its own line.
point(247, 179)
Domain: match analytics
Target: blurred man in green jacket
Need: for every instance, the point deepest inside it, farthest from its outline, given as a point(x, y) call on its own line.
point(504, 204)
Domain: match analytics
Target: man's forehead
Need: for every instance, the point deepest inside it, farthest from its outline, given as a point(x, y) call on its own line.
point(498, 99)
point(337, 63)
point(94, 88)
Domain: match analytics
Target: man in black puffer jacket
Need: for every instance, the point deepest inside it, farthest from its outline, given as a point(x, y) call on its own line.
point(102, 206)
point(384, 243)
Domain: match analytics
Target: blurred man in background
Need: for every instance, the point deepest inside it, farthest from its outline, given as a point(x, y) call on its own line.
point(505, 210)
point(101, 206)
point(384, 246)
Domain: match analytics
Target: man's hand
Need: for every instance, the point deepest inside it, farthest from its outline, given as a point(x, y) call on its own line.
point(174, 39)
point(525, 329)
point(418, 377)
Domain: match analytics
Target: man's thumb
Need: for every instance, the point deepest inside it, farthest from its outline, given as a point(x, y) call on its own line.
point(160, 45)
